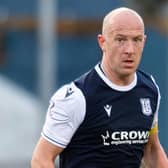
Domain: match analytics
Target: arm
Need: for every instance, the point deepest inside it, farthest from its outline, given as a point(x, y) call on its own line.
point(45, 154)
point(154, 155)
point(64, 115)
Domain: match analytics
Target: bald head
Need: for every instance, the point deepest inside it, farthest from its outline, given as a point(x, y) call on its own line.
point(122, 18)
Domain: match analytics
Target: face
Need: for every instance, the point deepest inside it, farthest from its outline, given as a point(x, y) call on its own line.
point(122, 45)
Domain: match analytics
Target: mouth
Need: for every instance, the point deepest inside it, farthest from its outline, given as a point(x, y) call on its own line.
point(128, 63)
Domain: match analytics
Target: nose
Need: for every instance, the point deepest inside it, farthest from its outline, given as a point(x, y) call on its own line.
point(129, 47)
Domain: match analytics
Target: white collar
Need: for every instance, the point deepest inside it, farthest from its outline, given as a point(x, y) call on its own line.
point(114, 86)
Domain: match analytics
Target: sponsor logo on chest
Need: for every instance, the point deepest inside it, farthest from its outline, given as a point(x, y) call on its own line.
point(125, 137)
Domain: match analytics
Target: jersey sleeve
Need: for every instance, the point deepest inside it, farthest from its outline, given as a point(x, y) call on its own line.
point(154, 127)
point(64, 115)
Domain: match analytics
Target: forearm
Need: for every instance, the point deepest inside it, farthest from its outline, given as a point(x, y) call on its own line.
point(156, 159)
point(161, 160)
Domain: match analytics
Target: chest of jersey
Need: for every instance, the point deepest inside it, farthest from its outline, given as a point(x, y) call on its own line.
point(116, 125)
point(120, 115)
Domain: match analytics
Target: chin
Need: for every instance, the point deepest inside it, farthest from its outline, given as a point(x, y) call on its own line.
point(128, 72)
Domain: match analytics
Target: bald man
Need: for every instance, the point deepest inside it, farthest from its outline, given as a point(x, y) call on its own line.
point(108, 117)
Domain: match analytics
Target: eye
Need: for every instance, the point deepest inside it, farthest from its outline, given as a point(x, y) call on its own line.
point(120, 39)
point(138, 39)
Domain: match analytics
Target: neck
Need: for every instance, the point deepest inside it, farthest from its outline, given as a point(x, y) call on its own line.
point(120, 80)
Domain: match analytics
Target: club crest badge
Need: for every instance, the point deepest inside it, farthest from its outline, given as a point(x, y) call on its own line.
point(146, 106)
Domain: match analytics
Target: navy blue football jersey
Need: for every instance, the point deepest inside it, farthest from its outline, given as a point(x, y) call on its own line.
point(103, 125)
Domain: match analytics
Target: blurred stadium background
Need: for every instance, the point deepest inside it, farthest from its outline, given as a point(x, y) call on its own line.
point(44, 44)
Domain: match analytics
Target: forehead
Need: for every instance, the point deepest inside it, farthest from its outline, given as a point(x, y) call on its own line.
point(125, 22)
point(127, 33)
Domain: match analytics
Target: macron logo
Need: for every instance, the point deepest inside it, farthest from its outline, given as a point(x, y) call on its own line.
point(69, 92)
point(108, 109)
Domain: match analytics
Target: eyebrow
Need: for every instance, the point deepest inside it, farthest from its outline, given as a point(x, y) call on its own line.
point(137, 36)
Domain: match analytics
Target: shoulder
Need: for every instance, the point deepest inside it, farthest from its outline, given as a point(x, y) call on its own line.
point(89, 82)
point(147, 80)
point(67, 92)
point(144, 76)
point(70, 100)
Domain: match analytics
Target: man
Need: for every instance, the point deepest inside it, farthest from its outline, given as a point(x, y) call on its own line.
point(108, 117)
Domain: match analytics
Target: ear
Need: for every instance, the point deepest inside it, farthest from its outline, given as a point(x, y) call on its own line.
point(101, 40)
point(144, 40)
point(145, 36)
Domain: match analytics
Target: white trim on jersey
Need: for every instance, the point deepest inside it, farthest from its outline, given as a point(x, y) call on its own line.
point(114, 86)
point(66, 112)
point(155, 120)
